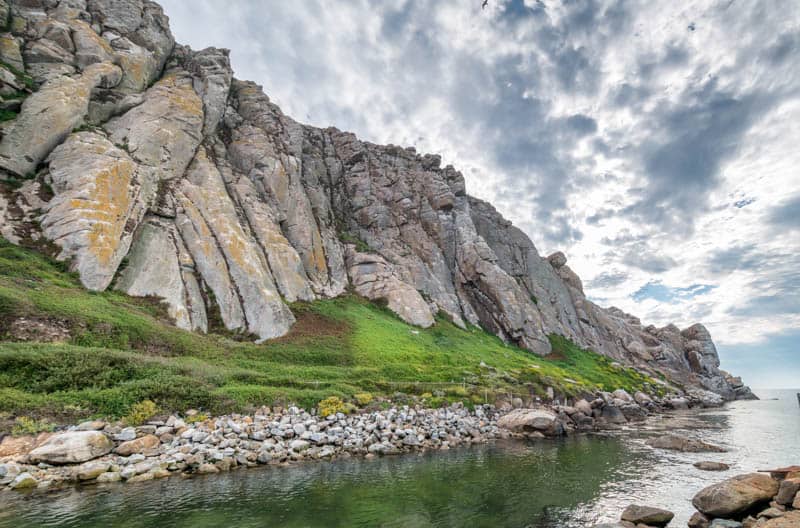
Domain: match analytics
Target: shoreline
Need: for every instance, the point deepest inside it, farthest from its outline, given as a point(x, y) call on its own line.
point(99, 452)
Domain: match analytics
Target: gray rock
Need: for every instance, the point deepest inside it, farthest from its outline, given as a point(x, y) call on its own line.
point(23, 481)
point(129, 433)
point(375, 279)
point(49, 115)
point(682, 443)
point(647, 515)
point(91, 470)
point(97, 204)
point(725, 523)
point(711, 466)
point(613, 415)
point(111, 476)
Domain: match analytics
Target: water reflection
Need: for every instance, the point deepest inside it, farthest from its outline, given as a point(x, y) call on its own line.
point(544, 484)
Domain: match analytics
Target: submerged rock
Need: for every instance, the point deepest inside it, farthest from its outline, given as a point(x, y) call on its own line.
point(711, 466)
point(681, 443)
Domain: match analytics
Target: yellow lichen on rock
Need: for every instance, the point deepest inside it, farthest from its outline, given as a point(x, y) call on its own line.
point(96, 195)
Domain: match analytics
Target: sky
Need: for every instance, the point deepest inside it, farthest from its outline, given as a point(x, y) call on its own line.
point(656, 143)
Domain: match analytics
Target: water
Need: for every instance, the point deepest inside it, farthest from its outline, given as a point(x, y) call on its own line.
point(545, 484)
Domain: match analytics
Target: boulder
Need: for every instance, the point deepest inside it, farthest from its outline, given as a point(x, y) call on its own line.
point(735, 495)
point(642, 398)
point(91, 470)
point(679, 404)
point(725, 523)
point(16, 447)
point(584, 407)
point(787, 491)
point(681, 443)
point(138, 445)
point(706, 398)
point(612, 414)
point(622, 394)
point(698, 520)
point(633, 412)
point(93, 425)
point(527, 420)
point(647, 515)
point(711, 466)
point(72, 447)
point(110, 476)
point(23, 481)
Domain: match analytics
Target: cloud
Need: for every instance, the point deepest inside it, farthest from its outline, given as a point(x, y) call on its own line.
point(657, 291)
point(685, 151)
point(608, 279)
point(787, 214)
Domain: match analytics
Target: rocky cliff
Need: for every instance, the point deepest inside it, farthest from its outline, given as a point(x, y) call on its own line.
point(154, 171)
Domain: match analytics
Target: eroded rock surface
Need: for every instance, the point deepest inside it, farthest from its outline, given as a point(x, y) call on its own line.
point(221, 203)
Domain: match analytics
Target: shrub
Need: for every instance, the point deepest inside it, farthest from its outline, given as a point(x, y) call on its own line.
point(25, 425)
point(458, 390)
point(140, 412)
point(426, 396)
point(363, 398)
point(330, 406)
point(199, 417)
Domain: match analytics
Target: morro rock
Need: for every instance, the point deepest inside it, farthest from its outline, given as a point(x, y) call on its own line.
point(172, 178)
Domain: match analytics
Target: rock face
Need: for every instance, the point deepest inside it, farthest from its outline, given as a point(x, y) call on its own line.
point(158, 158)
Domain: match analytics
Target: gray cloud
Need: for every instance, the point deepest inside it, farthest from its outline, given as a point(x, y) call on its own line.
point(608, 279)
point(787, 214)
point(683, 155)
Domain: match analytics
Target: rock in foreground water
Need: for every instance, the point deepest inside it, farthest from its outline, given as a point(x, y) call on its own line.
point(684, 444)
point(711, 466)
point(647, 515)
point(735, 495)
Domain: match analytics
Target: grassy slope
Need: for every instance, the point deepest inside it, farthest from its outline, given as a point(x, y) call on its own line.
point(121, 351)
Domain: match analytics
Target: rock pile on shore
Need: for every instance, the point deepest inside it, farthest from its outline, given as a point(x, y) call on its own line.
point(97, 451)
point(100, 452)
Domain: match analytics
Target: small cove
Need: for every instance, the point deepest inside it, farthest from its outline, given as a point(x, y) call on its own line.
point(567, 483)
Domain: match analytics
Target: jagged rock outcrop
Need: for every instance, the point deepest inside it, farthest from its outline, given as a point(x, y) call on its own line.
point(171, 178)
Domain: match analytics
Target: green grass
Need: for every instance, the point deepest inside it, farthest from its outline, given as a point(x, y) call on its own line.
point(26, 79)
point(121, 352)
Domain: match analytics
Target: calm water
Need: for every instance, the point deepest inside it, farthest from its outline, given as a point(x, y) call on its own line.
point(545, 484)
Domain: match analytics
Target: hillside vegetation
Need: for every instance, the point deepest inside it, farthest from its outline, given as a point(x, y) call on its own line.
point(117, 351)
